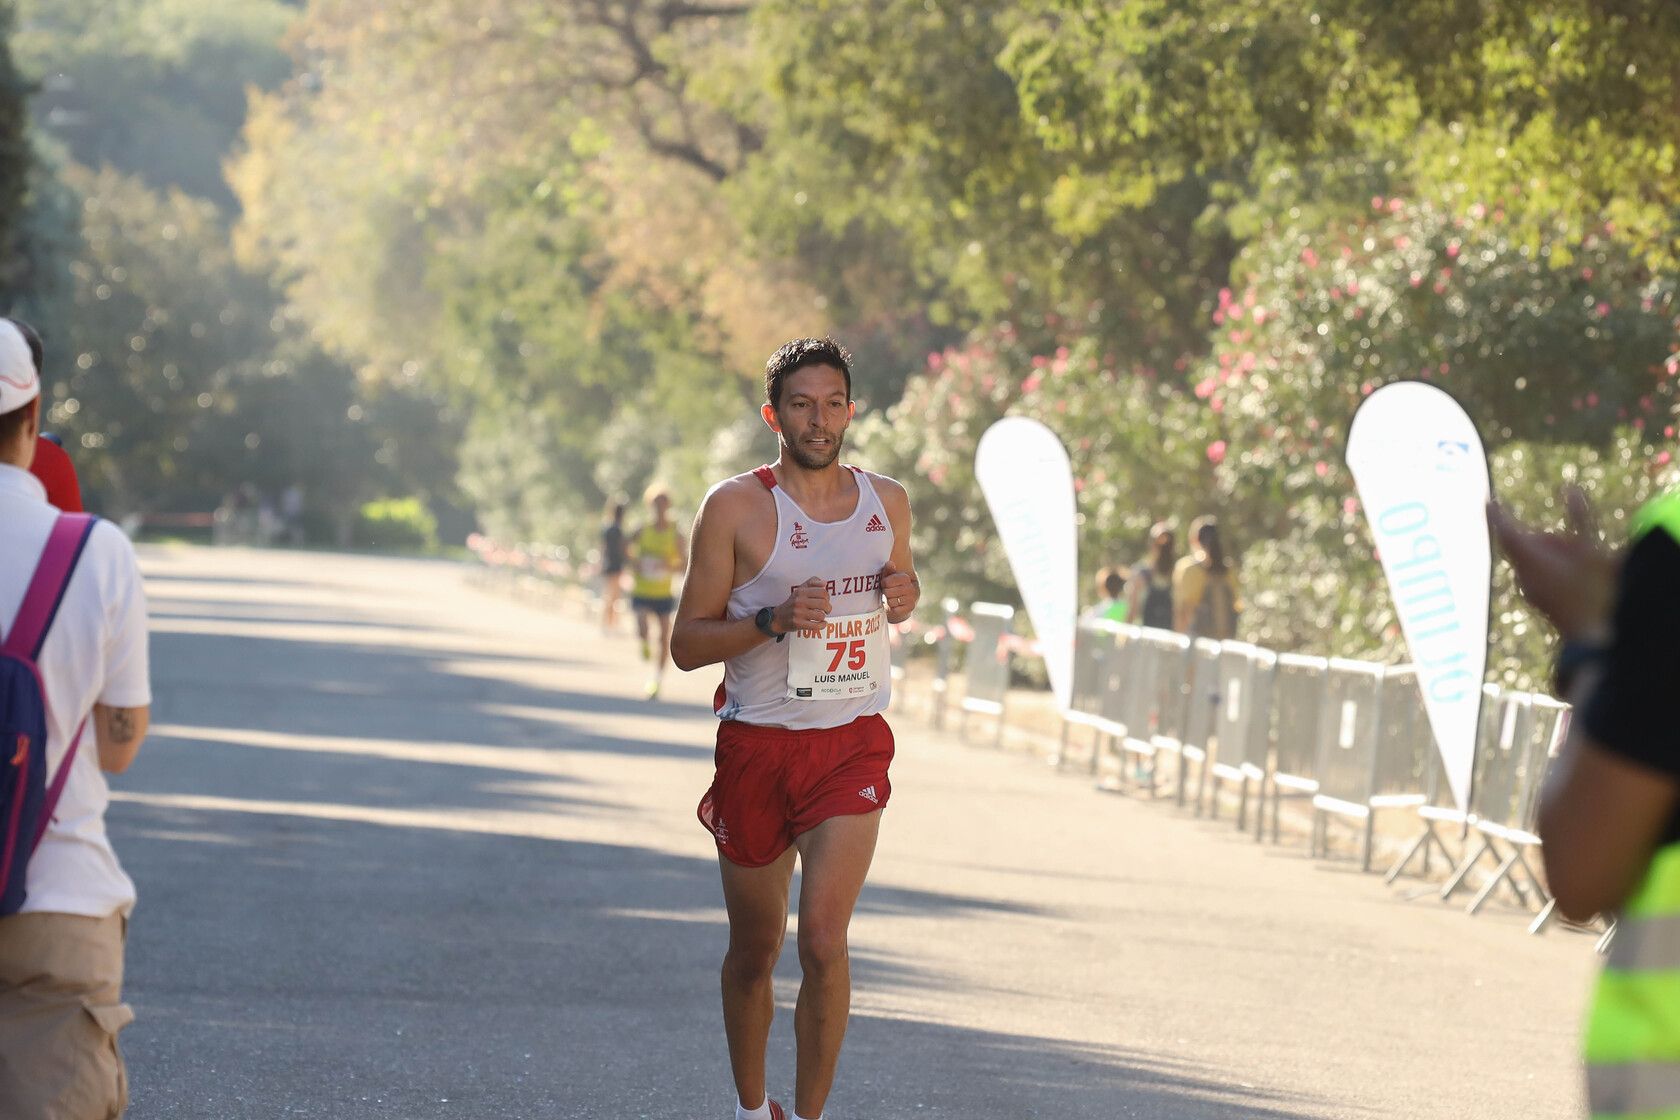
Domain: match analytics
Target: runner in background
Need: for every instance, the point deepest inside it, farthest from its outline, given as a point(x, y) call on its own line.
point(658, 555)
point(615, 552)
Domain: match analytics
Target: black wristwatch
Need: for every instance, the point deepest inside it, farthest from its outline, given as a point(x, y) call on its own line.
point(762, 620)
point(1573, 656)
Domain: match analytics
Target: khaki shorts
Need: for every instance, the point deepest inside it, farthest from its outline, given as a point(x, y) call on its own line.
point(60, 1010)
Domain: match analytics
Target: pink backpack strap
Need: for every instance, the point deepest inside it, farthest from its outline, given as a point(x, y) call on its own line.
point(46, 588)
point(54, 791)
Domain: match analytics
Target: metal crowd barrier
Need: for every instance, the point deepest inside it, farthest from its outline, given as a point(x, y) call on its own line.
point(1351, 737)
point(1243, 733)
point(987, 666)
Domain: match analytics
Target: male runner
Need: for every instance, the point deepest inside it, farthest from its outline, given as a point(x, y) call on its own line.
point(797, 568)
point(658, 555)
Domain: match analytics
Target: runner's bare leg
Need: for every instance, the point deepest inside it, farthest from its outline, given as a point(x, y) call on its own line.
point(757, 901)
point(834, 859)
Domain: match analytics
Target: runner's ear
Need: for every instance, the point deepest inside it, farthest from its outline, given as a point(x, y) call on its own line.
point(768, 411)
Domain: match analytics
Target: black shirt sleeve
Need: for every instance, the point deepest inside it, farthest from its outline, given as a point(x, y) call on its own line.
point(1634, 712)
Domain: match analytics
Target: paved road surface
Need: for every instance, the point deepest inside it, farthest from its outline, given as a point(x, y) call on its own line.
point(407, 849)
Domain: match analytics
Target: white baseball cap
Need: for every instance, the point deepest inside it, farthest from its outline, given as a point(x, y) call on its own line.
point(20, 381)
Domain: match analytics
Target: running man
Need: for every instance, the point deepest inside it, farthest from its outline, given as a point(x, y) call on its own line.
point(658, 555)
point(797, 570)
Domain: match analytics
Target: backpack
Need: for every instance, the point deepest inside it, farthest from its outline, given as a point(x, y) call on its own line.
point(1157, 612)
point(1216, 614)
point(26, 800)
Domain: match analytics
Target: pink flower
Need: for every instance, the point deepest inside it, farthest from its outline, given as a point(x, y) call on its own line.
point(1478, 211)
point(1603, 309)
point(1395, 205)
point(1445, 368)
point(1224, 298)
point(1309, 258)
point(1663, 458)
point(1417, 279)
point(935, 361)
point(1402, 242)
point(1592, 400)
point(1061, 353)
point(1321, 468)
point(1586, 274)
point(1377, 202)
point(1452, 251)
point(1259, 315)
point(1216, 452)
point(1350, 506)
point(1031, 384)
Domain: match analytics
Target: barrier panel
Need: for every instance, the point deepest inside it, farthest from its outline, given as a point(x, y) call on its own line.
point(945, 656)
point(1297, 708)
point(1242, 732)
point(986, 669)
point(1155, 705)
point(1188, 732)
point(1496, 792)
point(1349, 740)
point(1513, 824)
point(1095, 646)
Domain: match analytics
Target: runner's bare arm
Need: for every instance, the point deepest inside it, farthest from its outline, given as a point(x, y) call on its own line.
point(900, 589)
point(703, 633)
point(118, 732)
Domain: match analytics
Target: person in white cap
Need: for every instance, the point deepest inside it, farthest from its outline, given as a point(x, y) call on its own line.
point(61, 948)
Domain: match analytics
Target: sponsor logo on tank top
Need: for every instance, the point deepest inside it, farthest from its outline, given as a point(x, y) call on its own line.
point(848, 585)
point(875, 524)
point(798, 539)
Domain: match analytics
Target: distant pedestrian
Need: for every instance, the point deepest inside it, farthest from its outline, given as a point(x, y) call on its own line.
point(71, 601)
point(1111, 604)
point(1149, 592)
point(615, 551)
point(1205, 602)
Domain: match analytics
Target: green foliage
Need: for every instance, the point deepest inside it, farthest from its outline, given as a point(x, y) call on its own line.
point(397, 523)
point(1552, 364)
point(152, 88)
point(1137, 447)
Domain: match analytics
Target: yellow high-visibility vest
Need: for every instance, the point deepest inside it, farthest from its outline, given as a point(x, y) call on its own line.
point(1633, 1030)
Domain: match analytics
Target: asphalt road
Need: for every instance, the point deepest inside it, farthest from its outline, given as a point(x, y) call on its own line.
point(410, 848)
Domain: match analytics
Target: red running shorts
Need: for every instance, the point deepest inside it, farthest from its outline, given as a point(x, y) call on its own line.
point(773, 784)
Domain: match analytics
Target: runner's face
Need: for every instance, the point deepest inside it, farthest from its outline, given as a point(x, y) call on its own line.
point(814, 416)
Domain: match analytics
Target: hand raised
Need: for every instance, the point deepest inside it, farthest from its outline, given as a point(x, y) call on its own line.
point(1569, 576)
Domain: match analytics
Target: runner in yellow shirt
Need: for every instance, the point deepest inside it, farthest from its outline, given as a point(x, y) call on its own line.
point(658, 555)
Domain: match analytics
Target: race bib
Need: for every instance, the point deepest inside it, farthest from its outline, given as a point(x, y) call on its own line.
point(844, 659)
point(651, 567)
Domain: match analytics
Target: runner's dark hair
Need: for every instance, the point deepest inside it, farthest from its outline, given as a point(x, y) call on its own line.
point(798, 354)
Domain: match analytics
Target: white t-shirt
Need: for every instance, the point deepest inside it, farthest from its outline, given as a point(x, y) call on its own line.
point(95, 652)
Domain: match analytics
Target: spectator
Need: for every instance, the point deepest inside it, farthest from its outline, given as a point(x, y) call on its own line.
point(57, 473)
point(1205, 603)
point(1110, 605)
point(61, 953)
point(615, 554)
point(1150, 590)
point(1610, 807)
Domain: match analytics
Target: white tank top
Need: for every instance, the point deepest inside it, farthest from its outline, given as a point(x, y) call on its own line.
point(849, 555)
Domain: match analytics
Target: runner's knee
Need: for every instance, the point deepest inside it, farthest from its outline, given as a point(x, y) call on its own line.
point(822, 947)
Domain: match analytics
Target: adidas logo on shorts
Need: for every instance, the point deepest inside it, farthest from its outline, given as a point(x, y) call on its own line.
point(868, 794)
point(876, 525)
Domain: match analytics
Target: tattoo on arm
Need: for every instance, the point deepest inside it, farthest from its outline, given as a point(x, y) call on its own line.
point(122, 724)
